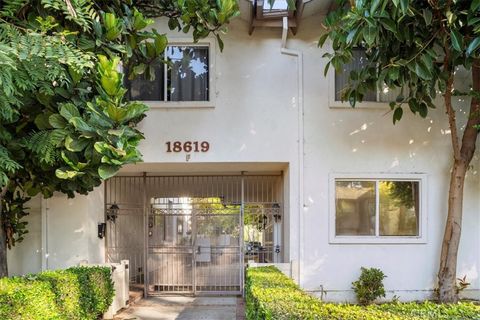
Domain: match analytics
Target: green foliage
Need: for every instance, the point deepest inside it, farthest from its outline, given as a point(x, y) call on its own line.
point(431, 310)
point(369, 286)
point(65, 124)
point(76, 293)
point(271, 295)
point(22, 299)
point(416, 46)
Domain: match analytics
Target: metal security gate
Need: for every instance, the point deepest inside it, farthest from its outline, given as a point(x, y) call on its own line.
point(193, 233)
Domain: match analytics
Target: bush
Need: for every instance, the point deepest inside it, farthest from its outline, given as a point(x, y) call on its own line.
point(22, 299)
point(270, 295)
point(369, 286)
point(76, 293)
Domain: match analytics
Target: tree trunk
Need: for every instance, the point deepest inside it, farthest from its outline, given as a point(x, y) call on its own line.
point(3, 241)
point(447, 274)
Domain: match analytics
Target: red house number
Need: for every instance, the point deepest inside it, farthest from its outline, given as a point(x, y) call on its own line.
point(187, 146)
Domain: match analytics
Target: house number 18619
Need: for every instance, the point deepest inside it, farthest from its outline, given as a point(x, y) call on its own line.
point(187, 146)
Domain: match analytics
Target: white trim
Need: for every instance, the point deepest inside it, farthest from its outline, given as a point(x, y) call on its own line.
point(420, 239)
point(212, 93)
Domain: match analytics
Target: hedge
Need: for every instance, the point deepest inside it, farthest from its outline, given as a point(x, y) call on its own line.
point(272, 295)
point(82, 293)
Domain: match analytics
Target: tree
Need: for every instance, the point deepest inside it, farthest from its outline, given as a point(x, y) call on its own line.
point(417, 46)
point(65, 124)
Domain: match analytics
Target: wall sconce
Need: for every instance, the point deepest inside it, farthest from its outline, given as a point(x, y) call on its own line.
point(102, 227)
point(112, 212)
point(277, 216)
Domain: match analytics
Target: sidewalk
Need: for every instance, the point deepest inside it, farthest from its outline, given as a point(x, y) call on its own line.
point(185, 308)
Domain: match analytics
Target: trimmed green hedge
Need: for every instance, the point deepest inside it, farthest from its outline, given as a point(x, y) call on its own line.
point(272, 295)
point(77, 293)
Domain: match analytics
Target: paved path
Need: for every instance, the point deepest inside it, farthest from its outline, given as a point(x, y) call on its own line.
point(185, 308)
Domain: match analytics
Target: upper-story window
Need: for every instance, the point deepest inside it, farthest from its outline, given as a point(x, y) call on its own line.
point(185, 78)
point(359, 61)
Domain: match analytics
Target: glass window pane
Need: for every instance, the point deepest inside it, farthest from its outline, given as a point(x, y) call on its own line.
point(147, 90)
point(358, 62)
point(399, 208)
point(188, 73)
point(355, 208)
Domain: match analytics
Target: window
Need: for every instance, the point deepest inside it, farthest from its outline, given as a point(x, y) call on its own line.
point(371, 98)
point(384, 209)
point(185, 78)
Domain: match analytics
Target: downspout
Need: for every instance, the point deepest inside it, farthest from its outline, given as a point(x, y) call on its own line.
point(301, 140)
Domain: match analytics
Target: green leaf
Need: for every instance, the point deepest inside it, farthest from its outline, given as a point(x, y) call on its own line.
point(397, 115)
point(474, 5)
point(427, 16)
point(404, 6)
point(220, 42)
point(457, 40)
point(351, 35)
point(57, 121)
point(369, 35)
point(423, 110)
point(422, 70)
point(107, 171)
point(322, 39)
point(389, 25)
point(473, 45)
point(69, 110)
point(374, 6)
point(41, 121)
point(67, 174)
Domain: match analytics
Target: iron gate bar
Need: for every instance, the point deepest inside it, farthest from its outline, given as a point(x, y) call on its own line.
point(261, 193)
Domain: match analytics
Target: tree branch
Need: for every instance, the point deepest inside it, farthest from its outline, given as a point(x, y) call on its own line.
point(452, 120)
point(471, 131)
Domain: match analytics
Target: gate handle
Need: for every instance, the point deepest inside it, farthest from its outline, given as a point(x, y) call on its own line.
point(199, 249)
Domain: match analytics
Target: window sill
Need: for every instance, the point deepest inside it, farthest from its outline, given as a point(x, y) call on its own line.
point(378, 240)
point(372, 105)
point(180, 104)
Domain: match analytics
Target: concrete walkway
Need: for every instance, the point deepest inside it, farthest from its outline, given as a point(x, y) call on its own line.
point(185, 308)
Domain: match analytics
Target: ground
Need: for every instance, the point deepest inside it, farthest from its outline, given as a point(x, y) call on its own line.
point(185, 308)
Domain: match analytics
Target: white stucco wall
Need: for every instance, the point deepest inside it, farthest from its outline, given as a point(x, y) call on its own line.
point(26, 256)
point(255, 120)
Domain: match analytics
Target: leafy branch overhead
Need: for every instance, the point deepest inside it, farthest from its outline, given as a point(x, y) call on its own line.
point(65, 124)
point(412, 45)
point(429, 51)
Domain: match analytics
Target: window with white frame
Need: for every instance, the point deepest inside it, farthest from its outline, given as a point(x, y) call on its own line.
point(383, 208)
point(185, 77)
point(359, 62)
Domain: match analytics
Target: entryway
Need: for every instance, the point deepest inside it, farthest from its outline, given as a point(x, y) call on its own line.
point(193, 234)
point(185, 308)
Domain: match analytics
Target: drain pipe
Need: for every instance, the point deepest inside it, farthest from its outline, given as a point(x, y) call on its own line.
point(301, 140)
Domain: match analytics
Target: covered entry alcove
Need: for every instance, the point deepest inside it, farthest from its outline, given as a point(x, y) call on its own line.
point(193, 233)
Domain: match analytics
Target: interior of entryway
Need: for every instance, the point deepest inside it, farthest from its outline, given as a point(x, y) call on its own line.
point(194, 234)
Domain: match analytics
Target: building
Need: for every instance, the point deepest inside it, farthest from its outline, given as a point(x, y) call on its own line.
point(257, 132)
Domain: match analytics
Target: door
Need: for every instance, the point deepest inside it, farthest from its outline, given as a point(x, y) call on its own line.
point(218, 255)
point(194, 246)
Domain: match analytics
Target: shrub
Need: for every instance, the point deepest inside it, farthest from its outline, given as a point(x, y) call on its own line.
point(96, 287)
point(24, 299)
point(270, 295)
point(77, 293)
point(369, 286)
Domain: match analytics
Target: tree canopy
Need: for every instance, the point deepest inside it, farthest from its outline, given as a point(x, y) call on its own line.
point(65, 124)
point(417, 47)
